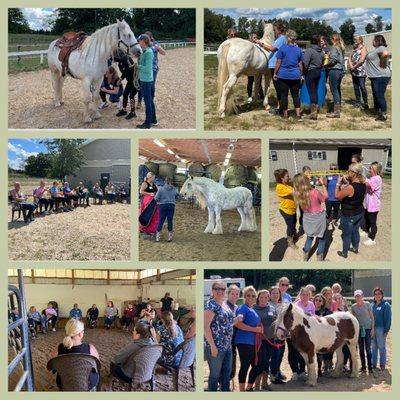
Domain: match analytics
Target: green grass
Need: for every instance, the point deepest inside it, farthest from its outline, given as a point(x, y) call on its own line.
point(254, 117)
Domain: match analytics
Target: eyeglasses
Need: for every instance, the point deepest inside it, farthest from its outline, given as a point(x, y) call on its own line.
point(219, 289)
point(284, 284)
point(232, 35)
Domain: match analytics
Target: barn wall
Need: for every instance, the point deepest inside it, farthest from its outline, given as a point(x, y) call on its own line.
point(368, 39)
point(367, 280)
point(185, 294)
point(108, 149)
point(285, 157)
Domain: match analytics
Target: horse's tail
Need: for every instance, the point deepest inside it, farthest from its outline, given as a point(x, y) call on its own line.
point(223, 75)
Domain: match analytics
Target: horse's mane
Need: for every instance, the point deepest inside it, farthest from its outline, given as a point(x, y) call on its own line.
point(268, 37)
point(99, 38)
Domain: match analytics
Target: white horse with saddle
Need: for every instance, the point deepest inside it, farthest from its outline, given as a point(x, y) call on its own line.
point(311, 334)
point(85, 58)
point(216, 197)
point(238, 57)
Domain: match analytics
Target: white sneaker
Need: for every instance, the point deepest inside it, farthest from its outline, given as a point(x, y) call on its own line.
point(363, 234)
point(249, 100)
point(370, 242)
point(54, 329)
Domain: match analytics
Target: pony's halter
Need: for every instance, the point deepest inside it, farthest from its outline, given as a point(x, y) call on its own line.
point(286, 333)
point(128, 46)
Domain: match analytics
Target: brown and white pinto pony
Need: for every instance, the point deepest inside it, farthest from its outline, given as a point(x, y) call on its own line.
point(311, 334)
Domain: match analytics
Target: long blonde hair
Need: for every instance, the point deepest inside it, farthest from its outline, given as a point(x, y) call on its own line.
point(72, 328)
point(338, 42)
point(169, 323)
point(302, 187)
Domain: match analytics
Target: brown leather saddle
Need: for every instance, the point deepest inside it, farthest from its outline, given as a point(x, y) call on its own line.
point(69, 42)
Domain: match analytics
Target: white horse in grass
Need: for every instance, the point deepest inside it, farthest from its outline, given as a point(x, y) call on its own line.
point(216, 197)
point(89, 63)
point(311, 334)
point(238, 57)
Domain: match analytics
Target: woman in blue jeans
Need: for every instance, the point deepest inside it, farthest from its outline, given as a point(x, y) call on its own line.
point(218, 331)
point(379, 73)
point(336, 72)
point(146, 78)
point(382, 321)
point(165, 197)
point(351, 192)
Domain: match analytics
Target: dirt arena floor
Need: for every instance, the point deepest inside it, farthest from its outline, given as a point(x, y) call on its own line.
point(92, 233)
point(31, 105)
point(381, 252)
point(253, 116)
point(190, 243)
point(108, 344)
point(377, 382)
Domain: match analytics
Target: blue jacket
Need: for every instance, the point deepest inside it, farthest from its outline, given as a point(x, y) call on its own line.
point(382, 315)
point(166, 194)
point(75, 313)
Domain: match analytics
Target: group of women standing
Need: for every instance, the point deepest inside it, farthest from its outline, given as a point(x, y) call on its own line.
point(290, 67)
point(249, 329)
point(140, 79)
point(355, 196)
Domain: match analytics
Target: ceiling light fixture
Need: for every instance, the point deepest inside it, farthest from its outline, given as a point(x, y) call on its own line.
point(158, 143)
point(170, 151)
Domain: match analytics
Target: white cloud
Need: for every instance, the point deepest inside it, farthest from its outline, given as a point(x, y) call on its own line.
point(20, 152)
point(284, 15)
point(17, 163)
point(37, 17)
point(305, 11)
point(329, 16)
point(352, 12)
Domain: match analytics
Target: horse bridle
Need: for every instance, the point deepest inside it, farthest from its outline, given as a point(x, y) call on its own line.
point(286, 333)
point(128, 47)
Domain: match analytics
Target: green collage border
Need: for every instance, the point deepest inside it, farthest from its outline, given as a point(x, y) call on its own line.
point(197, 133)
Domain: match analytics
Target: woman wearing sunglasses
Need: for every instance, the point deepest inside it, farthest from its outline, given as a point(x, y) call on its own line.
point(245, 338)
point(218, 332)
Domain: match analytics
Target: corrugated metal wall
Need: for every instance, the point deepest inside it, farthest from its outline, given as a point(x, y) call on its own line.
point(368, 39)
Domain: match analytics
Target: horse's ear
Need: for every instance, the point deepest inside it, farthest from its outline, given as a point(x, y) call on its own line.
point(290, 307)
point(263, 23)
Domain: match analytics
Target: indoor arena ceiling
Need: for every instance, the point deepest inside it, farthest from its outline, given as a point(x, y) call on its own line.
point(245, 151)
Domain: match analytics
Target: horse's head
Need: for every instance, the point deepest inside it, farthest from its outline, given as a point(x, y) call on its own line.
point(187, 189)
point(127, 39)
point(284, 322)
point(268, 35)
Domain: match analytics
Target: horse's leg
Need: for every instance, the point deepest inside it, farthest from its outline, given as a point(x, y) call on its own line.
point(225, 93)
point(354, 359)
point(96, 99)
point(218, 223)
point(243, 219)
point(257, 87)
point(57, 82)
point(338, 371)
point(87, 98)
point(251, 216)
point(211, 221)
point(311, 371)
point(267, 83)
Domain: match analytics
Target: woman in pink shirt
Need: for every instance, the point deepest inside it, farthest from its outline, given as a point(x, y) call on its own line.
point(304, 301)
point(311, 201)
point(39, 195)
point(331, 304)
point(372, 202)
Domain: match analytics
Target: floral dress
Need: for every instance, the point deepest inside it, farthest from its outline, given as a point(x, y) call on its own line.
point(221, 326)
point(170, 343)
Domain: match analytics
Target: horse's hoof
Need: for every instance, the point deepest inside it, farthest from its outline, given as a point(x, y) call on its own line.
point(96, 115)
point(58, 104)
point(214, 232)
point(88, 120)
point(208, 230)
point(222, 115)
point(311, 383)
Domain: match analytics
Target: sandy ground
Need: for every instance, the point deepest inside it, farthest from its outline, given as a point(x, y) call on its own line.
point(254, 116)
point(381, 252)
point(31, 105)
point(92, 233)
point(190, 243)
point(377, 382)
point(108, 344)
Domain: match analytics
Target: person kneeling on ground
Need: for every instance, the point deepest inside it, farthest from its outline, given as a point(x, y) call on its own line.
point(143, 335)
point(83, 193)
point(20, 198)
point(165, 197)
point(73, 344)
point(98, 192)
point(112, 86)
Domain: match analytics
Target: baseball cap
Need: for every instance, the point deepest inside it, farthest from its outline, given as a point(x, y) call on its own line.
point(358, 292)
point(143, 36)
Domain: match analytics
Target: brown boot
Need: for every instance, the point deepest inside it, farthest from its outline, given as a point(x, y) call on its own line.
point(291, 243)
point(313, 113)
point(335, 113)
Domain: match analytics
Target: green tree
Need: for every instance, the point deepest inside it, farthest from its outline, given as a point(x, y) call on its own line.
point(378, 23)
point(17, 22)
point(39, 165)
point(347, 30)
point(388, 27)
point(67, 156)
point(369, 28)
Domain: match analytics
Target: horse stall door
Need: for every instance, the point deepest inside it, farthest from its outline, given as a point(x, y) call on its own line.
point(104, 179)
point(344, 156)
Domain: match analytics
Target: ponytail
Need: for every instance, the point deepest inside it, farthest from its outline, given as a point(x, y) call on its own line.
point(72, 328)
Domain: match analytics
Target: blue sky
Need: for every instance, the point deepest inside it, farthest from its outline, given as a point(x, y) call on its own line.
point(333, 16)
point(20, 149)
point(38, 17)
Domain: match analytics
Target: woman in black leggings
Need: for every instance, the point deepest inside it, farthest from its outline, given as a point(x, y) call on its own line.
point(288, 74)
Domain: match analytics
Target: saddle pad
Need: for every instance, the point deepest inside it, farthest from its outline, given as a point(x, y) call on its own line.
point(148, 213)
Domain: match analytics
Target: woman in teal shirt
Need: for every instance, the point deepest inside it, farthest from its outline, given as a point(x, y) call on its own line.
point(146, 81)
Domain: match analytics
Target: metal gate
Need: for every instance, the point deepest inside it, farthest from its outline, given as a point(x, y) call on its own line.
point(20, 327)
